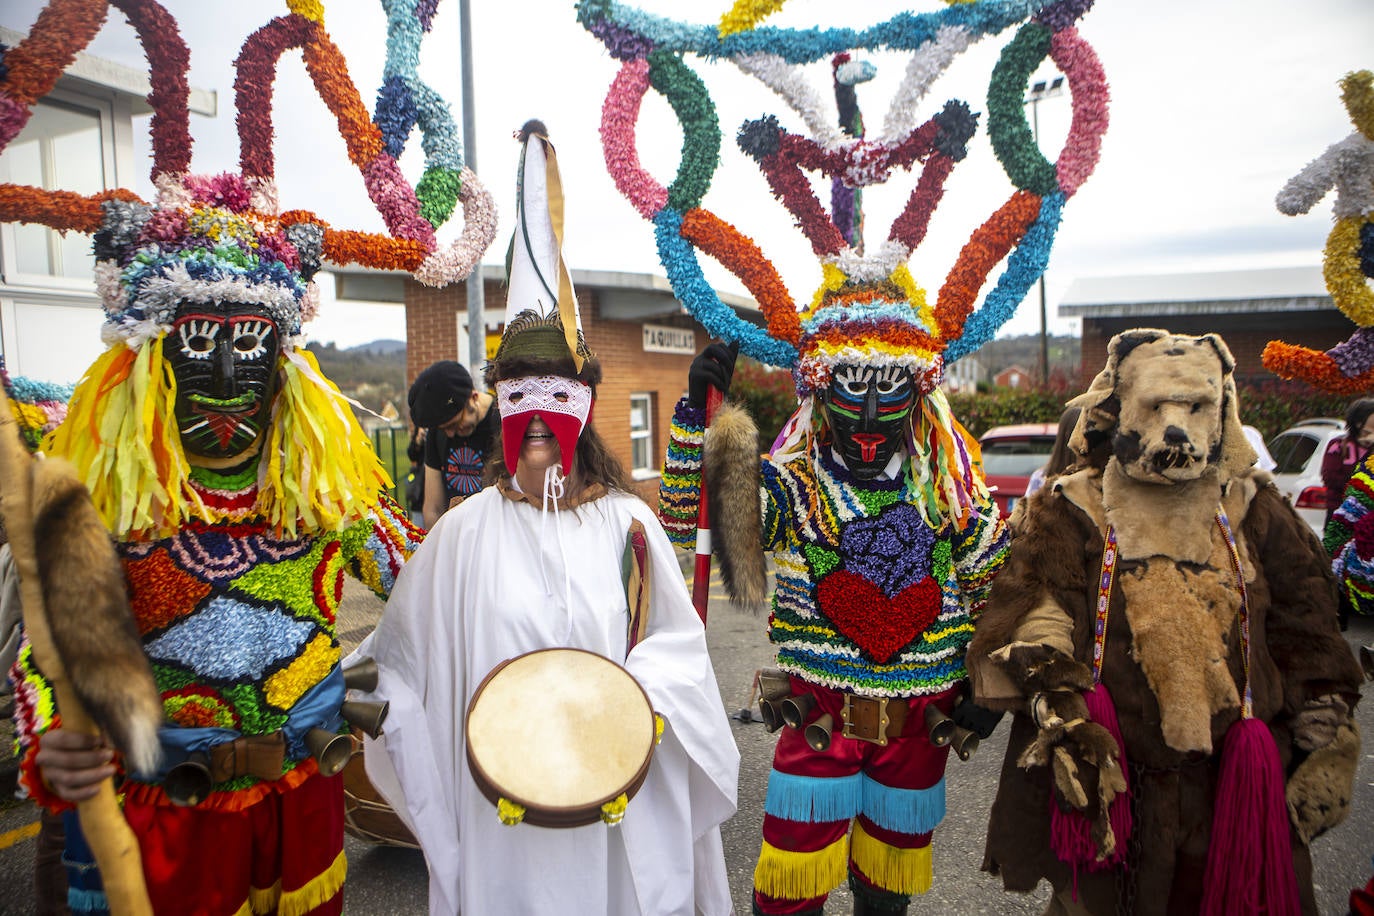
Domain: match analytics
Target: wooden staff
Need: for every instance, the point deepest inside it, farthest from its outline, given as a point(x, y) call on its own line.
point(112, 842)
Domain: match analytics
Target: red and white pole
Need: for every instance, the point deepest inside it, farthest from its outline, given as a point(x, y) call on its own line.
point(701, 575)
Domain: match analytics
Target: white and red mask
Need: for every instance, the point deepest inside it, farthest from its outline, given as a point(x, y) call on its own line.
point(563, 404)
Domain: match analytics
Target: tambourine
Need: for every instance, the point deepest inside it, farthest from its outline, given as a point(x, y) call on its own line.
point(560, 738)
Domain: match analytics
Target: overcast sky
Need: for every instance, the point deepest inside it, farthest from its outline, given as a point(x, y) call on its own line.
point(1215, 104)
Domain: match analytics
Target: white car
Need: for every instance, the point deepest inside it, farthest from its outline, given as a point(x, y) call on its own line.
point(1297, 453)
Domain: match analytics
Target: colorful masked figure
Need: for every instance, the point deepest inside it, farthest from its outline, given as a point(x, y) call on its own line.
point(233, 475)
point(873, 501)
point(538, 561)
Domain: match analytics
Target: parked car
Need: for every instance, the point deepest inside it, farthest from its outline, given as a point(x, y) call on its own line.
point(1297, 453)
point(1011, 454)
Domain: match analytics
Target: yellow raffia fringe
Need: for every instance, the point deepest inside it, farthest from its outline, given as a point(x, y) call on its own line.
point(613, 812)
point(903, 871)
point(509, 812)
point(801, 875)
point(319, 471)
point(317, 891)
point(122, 437)
point(745, 14)
point(1341, 268)
point(261, 899)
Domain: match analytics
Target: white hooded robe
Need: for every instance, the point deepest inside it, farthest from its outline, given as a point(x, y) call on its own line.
point(496, 578)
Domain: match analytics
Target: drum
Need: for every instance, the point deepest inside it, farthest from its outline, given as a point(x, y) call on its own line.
point(367, 816)
point(559, 733)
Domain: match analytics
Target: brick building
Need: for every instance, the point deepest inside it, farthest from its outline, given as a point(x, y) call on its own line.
point(643, 337)
point(1247, 308)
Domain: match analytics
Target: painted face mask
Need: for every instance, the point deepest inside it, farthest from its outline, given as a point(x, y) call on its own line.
point(562, 403)
point(868, 408)
point(225, 363)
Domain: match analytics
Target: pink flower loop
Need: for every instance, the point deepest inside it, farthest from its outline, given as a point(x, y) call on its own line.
point(395, 199)
point(619, 114)
point(455, 262)
point(1088, 85)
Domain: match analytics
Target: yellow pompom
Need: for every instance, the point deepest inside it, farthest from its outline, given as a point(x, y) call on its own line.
point(613, 812)
point(509, 812)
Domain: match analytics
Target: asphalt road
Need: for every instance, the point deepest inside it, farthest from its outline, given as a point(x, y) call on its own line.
point(392, 881)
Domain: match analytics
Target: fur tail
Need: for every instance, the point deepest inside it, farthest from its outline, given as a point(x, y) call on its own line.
point(730, 462)
point(88, 612)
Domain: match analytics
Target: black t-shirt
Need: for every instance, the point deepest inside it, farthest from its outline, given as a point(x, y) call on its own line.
point(460, 460)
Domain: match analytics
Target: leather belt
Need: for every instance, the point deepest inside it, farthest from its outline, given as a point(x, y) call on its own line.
point(874, 719)
point(261, 756)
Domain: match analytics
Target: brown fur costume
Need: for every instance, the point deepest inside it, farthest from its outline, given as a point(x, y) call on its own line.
point(1170, 662)
point(731, 468)
point(88, 613)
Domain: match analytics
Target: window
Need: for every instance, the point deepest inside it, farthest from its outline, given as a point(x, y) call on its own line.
point(62, 148)
point(643, 455)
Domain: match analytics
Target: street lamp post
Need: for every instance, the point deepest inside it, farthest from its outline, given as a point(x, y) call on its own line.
point(1044, 89)
point(476, 293)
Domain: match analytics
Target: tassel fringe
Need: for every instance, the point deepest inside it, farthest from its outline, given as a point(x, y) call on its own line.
point(316, 892)
point(904, 810)
point(1250, 859)
point(801, 875)
point(905, 871)
point(812, 800)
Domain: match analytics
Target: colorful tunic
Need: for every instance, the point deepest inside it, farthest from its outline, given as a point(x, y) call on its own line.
point(868, 600)
point(239, 627)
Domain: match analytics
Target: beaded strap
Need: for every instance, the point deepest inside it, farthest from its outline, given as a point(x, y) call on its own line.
point(1104, 594)
point(1104, 600)
point(1247, 704)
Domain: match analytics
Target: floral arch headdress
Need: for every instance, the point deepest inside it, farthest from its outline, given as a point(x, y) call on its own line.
point(1348, 265)
point(223, 238)
point(868, 309)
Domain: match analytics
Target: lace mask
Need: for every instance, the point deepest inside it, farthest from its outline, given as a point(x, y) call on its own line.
point(563, 403)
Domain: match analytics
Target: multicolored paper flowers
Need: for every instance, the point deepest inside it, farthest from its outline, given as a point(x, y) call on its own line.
point(868, 307)
point(1348, 167)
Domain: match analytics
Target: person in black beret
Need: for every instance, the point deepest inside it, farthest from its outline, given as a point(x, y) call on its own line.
point(461, 427)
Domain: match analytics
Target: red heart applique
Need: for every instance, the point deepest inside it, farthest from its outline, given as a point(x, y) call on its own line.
point(877, 624)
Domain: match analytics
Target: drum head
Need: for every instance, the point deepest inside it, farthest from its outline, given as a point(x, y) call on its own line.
point(560, 732)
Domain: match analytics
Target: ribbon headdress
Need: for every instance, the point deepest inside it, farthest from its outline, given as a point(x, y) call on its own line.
point(868, 309)
point(224, 239)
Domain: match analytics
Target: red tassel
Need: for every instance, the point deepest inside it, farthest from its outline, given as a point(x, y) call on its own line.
point(1250, 859)
point(1070, 831)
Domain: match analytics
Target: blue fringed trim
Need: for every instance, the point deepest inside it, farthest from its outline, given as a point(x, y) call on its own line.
point(87, 901)
point(814, 800)
point(908, 811)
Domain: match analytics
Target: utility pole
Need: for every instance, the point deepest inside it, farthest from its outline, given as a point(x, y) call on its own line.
point(1039, 91)
point(477, 323)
